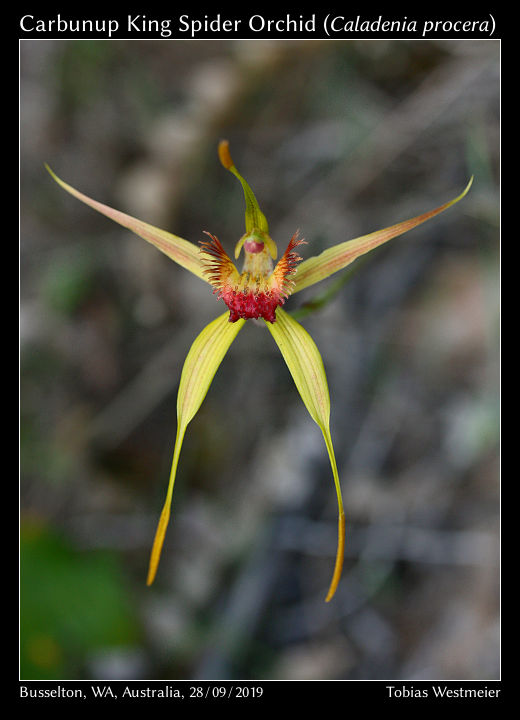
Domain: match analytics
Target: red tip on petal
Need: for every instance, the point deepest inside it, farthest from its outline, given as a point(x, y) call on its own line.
point(286, 266)
point(219, 267)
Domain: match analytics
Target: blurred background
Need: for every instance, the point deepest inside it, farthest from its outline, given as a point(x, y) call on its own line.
point(337, 139)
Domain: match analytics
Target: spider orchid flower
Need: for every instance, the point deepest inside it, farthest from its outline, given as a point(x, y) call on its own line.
point(257, 292)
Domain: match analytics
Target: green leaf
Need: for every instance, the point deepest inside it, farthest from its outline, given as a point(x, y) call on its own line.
point(306, 367)
point(200, 366)
point(73, 603)
point(339, 256)
point(177, 249)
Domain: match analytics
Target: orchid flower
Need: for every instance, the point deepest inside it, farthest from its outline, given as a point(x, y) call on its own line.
point(257, 292)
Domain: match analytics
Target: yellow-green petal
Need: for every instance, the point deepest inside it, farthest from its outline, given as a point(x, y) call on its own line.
point(339, 256)
point(181, 251)
point(306, 367)
point(200, 366)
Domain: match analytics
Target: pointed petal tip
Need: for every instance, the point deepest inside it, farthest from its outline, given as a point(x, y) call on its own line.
point(340, 554)
point(152, 571)
point(464, 192)
point(458, 198)
point(52, 174)
point(224, 154)
point(466, 189)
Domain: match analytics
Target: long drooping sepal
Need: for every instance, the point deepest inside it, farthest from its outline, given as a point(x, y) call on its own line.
point(181, 251)
point(306, 367)
point(200, 366)
point(339, 256)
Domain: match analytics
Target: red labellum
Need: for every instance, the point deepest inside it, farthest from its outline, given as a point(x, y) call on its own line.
point(251, 305)
point(258, 290)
